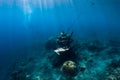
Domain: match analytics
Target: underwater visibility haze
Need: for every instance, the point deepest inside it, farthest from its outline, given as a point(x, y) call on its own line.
point(60, 39)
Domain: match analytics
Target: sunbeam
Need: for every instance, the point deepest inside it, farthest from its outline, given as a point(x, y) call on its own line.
point(28, 6)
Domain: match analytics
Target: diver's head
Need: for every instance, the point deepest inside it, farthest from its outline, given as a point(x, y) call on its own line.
point(63, 33)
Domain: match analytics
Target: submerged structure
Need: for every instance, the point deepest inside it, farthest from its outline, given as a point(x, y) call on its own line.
point(67, 57)
point(91, 60)
point(69, 69)
point(64, 51)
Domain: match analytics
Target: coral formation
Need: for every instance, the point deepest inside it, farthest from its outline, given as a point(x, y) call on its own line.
point(69, 69)
point(91, 60)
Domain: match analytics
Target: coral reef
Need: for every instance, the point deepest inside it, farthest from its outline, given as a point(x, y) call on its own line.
point(88, 60)
point(69, 69)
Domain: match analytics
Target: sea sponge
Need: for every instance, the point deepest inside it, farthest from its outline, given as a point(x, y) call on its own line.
point(69, 69)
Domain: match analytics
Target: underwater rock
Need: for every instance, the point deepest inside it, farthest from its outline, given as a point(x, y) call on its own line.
point(69, 69)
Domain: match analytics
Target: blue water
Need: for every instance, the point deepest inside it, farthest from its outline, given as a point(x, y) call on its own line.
point(21, 27)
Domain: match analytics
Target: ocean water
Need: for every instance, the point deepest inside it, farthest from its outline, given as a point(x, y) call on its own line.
point(27, 25)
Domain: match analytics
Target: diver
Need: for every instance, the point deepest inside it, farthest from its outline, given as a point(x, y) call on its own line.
point(64, 50)
point(64, 41)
